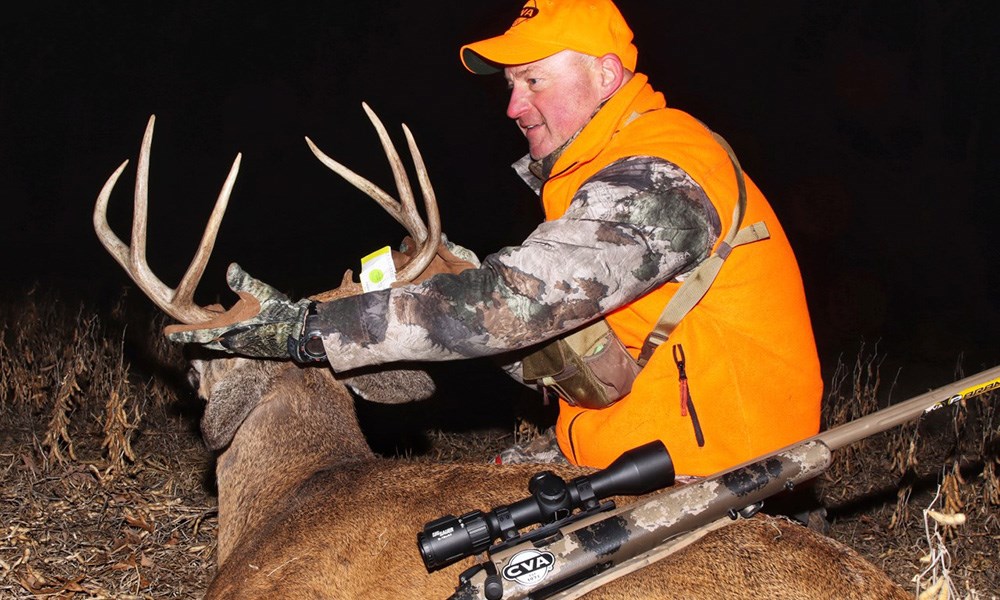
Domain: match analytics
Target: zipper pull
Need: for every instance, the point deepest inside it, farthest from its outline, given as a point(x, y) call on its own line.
point(682, 378)
point(687, 404)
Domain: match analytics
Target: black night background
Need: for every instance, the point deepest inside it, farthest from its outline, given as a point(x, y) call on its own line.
point(868, 124)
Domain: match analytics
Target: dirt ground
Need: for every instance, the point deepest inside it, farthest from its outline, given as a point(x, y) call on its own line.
point(106, 489)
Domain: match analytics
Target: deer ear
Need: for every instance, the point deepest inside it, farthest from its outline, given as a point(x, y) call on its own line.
point(218, 427)
point(230, 396)
point(391, 386)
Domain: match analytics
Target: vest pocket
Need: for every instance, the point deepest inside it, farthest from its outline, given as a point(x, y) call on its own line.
point(687, 403)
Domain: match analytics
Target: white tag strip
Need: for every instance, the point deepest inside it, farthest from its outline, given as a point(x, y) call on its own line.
point(377, 270)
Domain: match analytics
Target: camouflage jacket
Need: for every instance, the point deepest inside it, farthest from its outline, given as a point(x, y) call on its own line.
point(638, 223)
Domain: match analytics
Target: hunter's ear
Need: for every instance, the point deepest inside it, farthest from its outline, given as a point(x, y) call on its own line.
point(612, 74)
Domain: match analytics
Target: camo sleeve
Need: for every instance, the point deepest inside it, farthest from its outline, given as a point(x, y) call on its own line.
point(636, 224)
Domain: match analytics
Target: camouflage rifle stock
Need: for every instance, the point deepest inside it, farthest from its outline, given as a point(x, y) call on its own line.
point(592, 551)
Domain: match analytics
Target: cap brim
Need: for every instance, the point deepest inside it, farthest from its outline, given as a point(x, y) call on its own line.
point(492, 55)
point(477, 64)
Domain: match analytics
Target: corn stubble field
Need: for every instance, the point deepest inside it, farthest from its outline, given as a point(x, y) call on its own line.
point(107, 490)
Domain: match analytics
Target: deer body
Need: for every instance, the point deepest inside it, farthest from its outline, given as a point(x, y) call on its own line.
point(307, 510)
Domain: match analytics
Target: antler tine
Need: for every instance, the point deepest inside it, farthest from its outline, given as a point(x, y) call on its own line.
point(429, 246)
point(111, 242)
point(368, 188)
point(179, 303)
point(405, 212)
point(414, 224)
point(185, 289)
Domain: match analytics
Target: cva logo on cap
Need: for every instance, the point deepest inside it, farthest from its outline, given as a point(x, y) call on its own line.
point(529, 11)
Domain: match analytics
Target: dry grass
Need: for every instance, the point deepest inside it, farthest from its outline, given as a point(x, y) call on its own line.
point(880, 491)
point(106, 488)
point(102, 493)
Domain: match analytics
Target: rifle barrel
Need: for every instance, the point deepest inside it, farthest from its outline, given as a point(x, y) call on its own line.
point(908, 410)
point(627, 533)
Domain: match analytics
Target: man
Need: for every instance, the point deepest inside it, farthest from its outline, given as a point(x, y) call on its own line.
point(636, 196)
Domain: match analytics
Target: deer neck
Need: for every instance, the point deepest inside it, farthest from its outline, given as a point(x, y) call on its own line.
point(304, 422)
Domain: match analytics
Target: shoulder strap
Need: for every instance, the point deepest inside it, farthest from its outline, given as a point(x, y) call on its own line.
point(701, 278)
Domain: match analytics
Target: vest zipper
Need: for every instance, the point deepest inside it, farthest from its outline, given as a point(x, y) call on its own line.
point(569, 434)
point(687, 403)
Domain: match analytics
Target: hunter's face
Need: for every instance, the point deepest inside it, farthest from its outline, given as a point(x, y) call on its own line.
point(552, 98)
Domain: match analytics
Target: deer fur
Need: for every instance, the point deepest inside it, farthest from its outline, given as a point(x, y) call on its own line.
point(307, 510)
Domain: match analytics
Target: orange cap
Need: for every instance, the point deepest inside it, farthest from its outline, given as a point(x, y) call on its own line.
point(545, 27)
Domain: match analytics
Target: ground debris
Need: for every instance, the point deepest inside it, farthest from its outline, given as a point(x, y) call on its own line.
point(135, 518)
point(70, 532)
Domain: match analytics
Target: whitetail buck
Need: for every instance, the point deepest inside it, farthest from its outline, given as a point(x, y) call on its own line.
point(307, 510)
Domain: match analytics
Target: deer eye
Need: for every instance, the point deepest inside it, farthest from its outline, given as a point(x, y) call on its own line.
point(193, 375)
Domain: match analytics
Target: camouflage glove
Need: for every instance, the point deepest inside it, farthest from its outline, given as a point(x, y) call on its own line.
point(264, 323)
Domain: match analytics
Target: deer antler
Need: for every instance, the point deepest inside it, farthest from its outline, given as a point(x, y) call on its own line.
point(178, 303)
point(405, 210)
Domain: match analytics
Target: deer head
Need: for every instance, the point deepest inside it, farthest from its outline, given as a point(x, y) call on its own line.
point(425, 256)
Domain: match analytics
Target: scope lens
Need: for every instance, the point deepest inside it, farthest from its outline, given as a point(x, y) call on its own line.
point(637, 471)
point(450, 539)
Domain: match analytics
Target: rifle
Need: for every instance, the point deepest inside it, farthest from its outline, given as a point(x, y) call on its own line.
point(576, 553)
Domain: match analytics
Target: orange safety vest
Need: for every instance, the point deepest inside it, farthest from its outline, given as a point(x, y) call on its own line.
point(750, 358)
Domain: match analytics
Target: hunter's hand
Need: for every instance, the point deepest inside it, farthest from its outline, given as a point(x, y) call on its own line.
point(264, 323)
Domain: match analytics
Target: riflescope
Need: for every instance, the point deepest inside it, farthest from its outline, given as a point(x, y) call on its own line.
point(638, 471)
